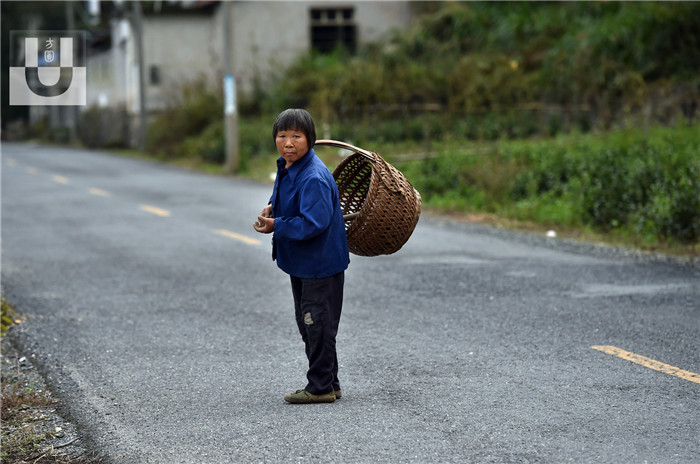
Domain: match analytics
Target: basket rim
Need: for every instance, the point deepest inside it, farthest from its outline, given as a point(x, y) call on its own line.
point(337, 143)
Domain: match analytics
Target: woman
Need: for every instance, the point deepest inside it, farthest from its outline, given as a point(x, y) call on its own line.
point(309, 243)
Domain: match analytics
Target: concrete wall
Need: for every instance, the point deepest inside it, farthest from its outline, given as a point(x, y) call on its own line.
point(184, 49)
point(106, 77)
point(268, 36)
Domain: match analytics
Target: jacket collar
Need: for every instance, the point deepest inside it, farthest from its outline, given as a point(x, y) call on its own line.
point(297, 166)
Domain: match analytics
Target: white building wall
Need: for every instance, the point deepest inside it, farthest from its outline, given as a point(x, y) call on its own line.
point(184, 48)
point(269, 35)
point(106, 70)
point(100, 81)
point(376, 19)
point(266, 37)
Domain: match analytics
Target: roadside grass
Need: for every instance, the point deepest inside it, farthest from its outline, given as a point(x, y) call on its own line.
point(24, 428)
point(30, 428)
point(9, 316)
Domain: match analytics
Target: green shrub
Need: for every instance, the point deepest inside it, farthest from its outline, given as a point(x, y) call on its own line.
point(9, 316)
point(641, 186)
point(673, 206)
point(104, 127)
point(651, 188)
point(196, 109)
point(255, 135)
point(209, 145)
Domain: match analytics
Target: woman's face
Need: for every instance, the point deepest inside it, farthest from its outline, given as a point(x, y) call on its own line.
point(291, 145)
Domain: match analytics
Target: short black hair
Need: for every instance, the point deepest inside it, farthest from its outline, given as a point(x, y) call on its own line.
point(295, 119)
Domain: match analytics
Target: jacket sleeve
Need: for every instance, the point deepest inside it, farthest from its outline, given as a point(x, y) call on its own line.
point(315, 212)
point(274, 192)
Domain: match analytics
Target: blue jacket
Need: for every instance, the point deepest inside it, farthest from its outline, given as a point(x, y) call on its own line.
point(309, 239)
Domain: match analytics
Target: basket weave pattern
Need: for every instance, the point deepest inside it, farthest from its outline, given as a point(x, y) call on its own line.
point(388, 206)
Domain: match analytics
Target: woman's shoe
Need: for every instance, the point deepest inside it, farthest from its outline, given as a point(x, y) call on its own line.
point(304, 397)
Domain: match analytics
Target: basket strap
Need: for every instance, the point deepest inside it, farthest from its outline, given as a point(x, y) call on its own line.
point(383, 168)
point(335, 143)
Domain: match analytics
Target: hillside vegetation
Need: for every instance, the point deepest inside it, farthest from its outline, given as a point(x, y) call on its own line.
point(576, 114)
point(493, 70)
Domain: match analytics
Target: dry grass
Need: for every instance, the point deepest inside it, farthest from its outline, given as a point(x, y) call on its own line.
point(32, 431)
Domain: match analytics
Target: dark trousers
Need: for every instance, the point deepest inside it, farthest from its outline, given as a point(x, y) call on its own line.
point(317, 306)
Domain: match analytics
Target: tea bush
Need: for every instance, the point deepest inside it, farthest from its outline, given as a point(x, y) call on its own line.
point(647, 186)
point(672, 206)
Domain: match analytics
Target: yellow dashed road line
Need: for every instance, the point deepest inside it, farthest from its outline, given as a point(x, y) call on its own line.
point(648, 362)
point(235, 236)
point(147, 208)
point(154, 210)
point(99, 192)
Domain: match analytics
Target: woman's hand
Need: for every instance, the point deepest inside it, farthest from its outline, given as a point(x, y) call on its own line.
point(265, 223)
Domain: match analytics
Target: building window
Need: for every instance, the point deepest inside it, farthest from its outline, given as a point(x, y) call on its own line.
point(332, 28)
point(154, 75)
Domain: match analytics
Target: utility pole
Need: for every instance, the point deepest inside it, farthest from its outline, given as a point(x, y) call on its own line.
point(230, 104)
point(73, 111)
point(138, 28)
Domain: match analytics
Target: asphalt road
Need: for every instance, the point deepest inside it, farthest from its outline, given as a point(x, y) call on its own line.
point(159, 318)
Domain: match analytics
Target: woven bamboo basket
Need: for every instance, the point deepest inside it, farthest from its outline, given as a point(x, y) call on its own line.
point(380, 206)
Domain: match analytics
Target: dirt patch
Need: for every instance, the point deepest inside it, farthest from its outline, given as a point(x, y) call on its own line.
point(33, 431)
